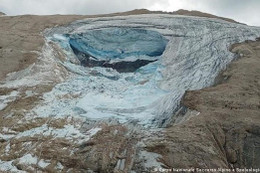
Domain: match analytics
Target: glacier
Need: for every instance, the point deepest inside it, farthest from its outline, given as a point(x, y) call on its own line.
point(115, 43)
point(167, 55)
point(123, 49)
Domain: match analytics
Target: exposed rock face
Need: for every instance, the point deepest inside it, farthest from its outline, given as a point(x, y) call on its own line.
point(217, 128)
point(2, 14)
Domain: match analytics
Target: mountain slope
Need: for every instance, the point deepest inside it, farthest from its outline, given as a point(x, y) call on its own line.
point(43, 105)
point(226, 133)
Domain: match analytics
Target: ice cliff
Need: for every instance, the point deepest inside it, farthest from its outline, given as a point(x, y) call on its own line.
point(139, 67)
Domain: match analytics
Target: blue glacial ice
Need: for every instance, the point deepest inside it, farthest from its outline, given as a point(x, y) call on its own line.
point(122, 49)
point(184, 53)
point(118, 43)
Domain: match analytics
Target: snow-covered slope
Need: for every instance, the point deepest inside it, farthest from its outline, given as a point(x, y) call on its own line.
point(197, 50)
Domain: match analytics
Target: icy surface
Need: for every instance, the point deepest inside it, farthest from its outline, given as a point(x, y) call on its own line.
point(28, 159)
point(7, 166)
point(7, 148)
point(119, 43)
point(197, 50)
point(6, 137)
point(59, 166)
point(5, 99)
point(69, 132)
point(43, 164)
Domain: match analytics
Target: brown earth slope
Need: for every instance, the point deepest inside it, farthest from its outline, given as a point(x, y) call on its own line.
point(21, 39)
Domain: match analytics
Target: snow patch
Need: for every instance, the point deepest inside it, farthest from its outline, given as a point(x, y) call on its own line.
point(7, 148)
point(29, 93)
point(69, 132)
point(2, 106)
point(6, 137)
point(5, 99)
point(59, 166)
point(7, 166)
point(43, 164)
point(28, 159)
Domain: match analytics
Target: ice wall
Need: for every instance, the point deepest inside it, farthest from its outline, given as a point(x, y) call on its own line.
point(118, 43)
point(123, 49)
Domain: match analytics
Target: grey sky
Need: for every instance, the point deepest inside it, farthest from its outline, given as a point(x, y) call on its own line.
point(245, 11)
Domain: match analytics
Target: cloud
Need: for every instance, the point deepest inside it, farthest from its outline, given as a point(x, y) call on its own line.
point(245, 11)
point(45, 7)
